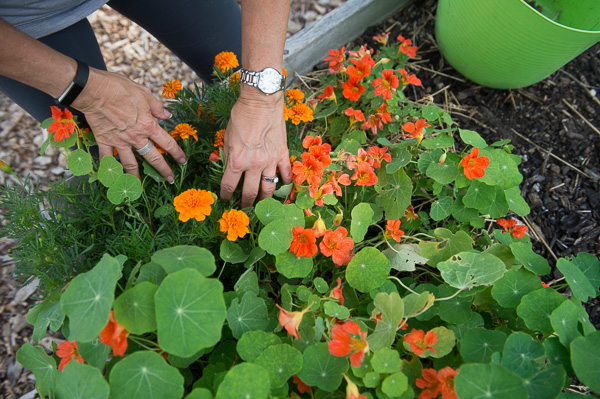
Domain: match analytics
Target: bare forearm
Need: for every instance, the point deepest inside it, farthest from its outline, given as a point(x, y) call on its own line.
point(31, 62)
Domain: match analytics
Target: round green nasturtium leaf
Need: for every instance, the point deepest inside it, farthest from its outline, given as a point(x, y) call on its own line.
point(441, 209)
point(185, 256)
point(248, 282)
point(267, 210)
point(498, 207)
point(292, 266)
point(79, 380)
point(386, 360)
point(547, 383)
point(43, 367)
point(44, 314)
point(368, 270)
point(109, 171)
point(585, 352)
point(513, 286)
point(536, 309)
point(143, 375)
point(79, 162)
point(502, 171)
point(253, 343)
point(443, 173)
point(400, 158)
point(256, 254)
point(395, 385)
point(461, 212)
point(134, 308)
point(391, 308)
point(440, 141)
point(522, 354)
point(582, 287)
point(416, 304)
point(565, 321)
point(472, 138)
point(523, 252)
point(478, 344)
point(276, 237)
point(126, 186)
point(484, 381)
point(232, 252)
point(427, 158)
point(362, 217)
point(475, 321)
point(334, 309)
point(448, 244)
point(394, 191)
point(516, 202)
point(557, 354)
point(371, 379)
point(152, 173)
point(94, 353)
point(249, 313)
point(281, 362)
point(470, 269)
point(88, 299)
point(479, 195)
point(199, 393)
point(321, 285)
point(190, 311)
point(431, 112)
point(245, 381)
point(501, 252)
point(321, 369)
point(151, 272)
point(456, 310)
point(404, 257)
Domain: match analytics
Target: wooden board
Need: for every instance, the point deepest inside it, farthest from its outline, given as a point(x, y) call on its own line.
point(308, 47)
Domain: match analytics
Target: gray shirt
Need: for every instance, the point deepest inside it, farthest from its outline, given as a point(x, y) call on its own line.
point(40, 18)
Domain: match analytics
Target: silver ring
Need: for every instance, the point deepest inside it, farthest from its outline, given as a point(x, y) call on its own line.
point(273, 179)
point(145, 149)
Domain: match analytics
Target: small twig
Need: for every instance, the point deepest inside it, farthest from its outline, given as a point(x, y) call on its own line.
point(585, 86)
point(438, 73)
point(534, 228)
point(594, 128)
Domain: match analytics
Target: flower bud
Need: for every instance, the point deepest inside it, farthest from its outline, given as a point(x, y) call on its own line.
point(337, 220)
point(319, 227)
point(442, 158)
point(5, 168)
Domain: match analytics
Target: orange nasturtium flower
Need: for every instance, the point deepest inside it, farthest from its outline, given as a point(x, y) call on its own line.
point(406, 47)
point(356, 115)
point(328, 94)
point(379, 155)
point(337, 245)
point(415, 129)
point(235, 223)
point(433, 383)
point(219, 138)
point(359, 70)
point(408, 79)
point(114, 335)
point(184, 131)
point(171, 88)
point(302, 387)
point(310, 169)
point(193, 203)
point(352, 90)
point(63, 124)
point(352, 391)
point(364, 175)
point(337, 292)
point(291, 320)
point(446, 379)
point(474, 165)
point(348, 339)
point(67, 351)
point(410, 214)
point(385, 84)
point(392, 230)
point(304, 243)
point(382, 38)
point(510, 226)
point(336, 60)
point(226, 60)
point(420, 342)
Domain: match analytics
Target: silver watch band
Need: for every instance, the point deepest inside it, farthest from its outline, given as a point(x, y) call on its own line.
point(249, 77)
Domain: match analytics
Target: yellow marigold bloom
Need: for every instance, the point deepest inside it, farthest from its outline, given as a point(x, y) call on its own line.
point(193, 203)
point(298, 113)
point(235, 223)
point(226, 60)
point(171, 88)
point(294, 96)
point(184, 131)
point(219, 138)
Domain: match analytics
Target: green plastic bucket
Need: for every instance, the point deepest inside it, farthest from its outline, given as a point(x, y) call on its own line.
point(508, 44)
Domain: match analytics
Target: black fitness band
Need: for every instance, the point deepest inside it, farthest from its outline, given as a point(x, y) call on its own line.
point(76, 86)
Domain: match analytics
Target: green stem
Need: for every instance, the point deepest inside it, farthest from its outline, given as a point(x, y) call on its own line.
point(403, 285)
point(450, 297)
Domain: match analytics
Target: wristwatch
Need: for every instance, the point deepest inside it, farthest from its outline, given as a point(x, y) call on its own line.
point(269, 80)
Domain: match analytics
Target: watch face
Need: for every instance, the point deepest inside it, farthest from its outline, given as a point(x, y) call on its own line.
point(270, 80)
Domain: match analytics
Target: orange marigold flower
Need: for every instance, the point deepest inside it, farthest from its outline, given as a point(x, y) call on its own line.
point(234, 78)
point(298, 113)
point(184, 131)
point(337, 245)
point(302, 387)
point(406, 47)
point(356, 115)
point(359, 69)
point(379, 155)
point(392, 230)
point(83, 131)
point(63, 124)
point(235, 223)
point(219, 138)
point(474, 166)
point(193, 203)
point(410, 214)
point(385, 84)
point(348, 339)
point(291, 320)
point(416, 129)
point(408, 79)
point(382, 38)
point(226, 60)
point(304, 242)
point(429, 384)
point(328, 94)
point(336, 60)
point(337, 292)
point(419, 342)
point(67, 351)
point(171, 88)
point(114, 335)
point(352, 391)
point(310, 169)
point(294, 96)
point(510, 226)
point(352, 90)
point(446, 379)
point(364, 175)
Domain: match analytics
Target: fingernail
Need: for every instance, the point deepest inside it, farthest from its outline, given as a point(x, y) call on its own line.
point(183, 161)
point(167, 114)
point(170, 180)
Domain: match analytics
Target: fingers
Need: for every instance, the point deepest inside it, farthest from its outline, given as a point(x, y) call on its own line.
point(157, 109)
point(229, 182)
point(252, 184)
point(267, 187)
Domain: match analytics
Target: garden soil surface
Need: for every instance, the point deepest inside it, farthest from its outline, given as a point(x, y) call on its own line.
point(553, 125)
